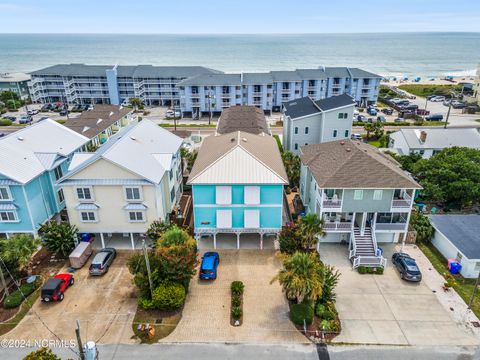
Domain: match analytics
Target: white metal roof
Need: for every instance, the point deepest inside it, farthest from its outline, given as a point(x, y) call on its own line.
point(136, 149)
point(29, 152)
point(442, 138)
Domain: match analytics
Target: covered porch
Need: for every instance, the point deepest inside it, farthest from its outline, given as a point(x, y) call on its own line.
point(236, 239)
point(120, 241)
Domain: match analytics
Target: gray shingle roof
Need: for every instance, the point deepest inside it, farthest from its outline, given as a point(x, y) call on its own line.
point(212, 80)
point(73, 70)
point(334, 102)
point(311, 74)
point(462, 231)
point(354, 165)
point(257, 78)
point(242, 118)
point(337, 72)
point(359, 73)
point(300, 107)
point(285, 76)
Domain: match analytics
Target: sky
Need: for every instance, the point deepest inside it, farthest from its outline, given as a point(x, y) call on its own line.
point(238, 16)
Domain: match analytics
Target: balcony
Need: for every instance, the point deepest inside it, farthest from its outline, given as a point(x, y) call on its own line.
point(391, 222)
point(340, 222)
point(402, 201)
point(391, 226)
point(332, 200)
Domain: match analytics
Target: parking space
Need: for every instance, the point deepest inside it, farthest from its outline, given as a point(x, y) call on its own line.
point(105, 307)
point(383, 309)
point(206, 315)
point(229, 241)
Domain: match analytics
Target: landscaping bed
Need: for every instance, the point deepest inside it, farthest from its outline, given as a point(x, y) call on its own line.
point(236, 309)
point(163, 323)
point(369, 270)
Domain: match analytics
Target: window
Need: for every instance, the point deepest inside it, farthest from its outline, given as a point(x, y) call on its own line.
point(296, 130)
point(5, 194)
point(252, 195)
point(88, 216)
point(459, 257)
point(136, 216)
point(346, 133)
point(172, 194)
point(377, 195)
point(335, 133)
point(252, 219)
point(295, 146)
point(340, 115)
point(8, 216)
point(224, 195)
point(84, 193)
point(358, 195)
point(132, 193)
point(58, 172)
point(224, 219)
point(306, 129)
point(61, 197)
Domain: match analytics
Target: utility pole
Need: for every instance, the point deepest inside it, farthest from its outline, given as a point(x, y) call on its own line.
point(448, 113)
point(147, 263)
point(475, 288)
point(79, 342)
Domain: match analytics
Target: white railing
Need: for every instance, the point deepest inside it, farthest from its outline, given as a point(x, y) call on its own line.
point(369, 261)
point(406, 202)
point(374, 239)
point(338, 226)
point(354, 245)
point(391, 226)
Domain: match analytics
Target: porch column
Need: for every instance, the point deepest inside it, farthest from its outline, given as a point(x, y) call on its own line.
point(238, 240)
point(7, 235)
point(214, 240)
point(133, 241)
point(103, 240)
point(261, 241)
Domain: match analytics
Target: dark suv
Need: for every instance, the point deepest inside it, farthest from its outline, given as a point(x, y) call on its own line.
point(407, 267)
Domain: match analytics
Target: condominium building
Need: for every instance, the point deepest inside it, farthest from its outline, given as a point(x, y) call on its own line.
point(16, 82)
point(197, 90)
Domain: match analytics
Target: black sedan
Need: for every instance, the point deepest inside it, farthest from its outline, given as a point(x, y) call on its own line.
point(407, 267)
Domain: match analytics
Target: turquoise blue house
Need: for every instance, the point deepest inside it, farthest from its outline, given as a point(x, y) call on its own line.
point(237, 184)
point(31, 161)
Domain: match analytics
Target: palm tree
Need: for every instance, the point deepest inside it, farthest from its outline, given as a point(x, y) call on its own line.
point(378, 129)
point(369, 127)
point(20, 248)
point(310, 227)
point(292, 166)
point(135, 102)
point(302, 277)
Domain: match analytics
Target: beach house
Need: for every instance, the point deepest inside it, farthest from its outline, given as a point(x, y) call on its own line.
point(237, 185)
point(361, 194)
point(31, 161)
point(130, 181)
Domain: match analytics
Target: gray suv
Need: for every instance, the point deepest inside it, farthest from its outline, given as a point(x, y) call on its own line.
point(102, 261)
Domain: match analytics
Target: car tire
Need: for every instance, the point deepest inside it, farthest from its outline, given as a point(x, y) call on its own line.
point(71, 282)
point(402, 276)
point(60, 297)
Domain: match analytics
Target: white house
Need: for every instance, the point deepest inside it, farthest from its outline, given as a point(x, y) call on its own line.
point(457, 237)
point(427, 142)
point(133, 179)
point(306, 121)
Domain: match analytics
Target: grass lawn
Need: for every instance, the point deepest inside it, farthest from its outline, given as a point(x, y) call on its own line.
point(164, 322)
point(8, 325)
point(375, 143)
point(464, 287)
point(425, 90)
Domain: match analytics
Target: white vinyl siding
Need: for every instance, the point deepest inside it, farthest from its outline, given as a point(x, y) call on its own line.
point(5, 194)
point(224, 219)
point(377, 195)
point(223, 195)
point(252, 219)
point(252, 195)
point(358, 195)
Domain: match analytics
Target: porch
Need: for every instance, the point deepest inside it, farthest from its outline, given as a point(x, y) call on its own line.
point(391, 222)
point(236, 238)
point(341, 222)
point(402, 199)
point(330, 199)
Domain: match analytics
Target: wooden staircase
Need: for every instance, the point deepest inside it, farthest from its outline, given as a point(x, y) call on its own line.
point(364, 251)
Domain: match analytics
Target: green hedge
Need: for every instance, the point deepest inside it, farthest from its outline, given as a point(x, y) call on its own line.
point(326, 312)
point(237, 288)
point(5, 122)
point(301, 312)
point(167, 296)
point(18, 296)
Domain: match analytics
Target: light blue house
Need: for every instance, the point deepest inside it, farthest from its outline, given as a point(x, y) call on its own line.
point(31, 160)
point(237, 185)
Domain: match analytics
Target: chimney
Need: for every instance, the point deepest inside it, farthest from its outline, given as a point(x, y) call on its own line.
point(423, 136)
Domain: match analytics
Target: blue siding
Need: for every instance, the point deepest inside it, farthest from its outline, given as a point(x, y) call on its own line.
point(271, 194)
point(24, 223)
point(204, 194)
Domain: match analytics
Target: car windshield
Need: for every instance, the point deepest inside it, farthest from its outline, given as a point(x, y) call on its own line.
point(411, 266)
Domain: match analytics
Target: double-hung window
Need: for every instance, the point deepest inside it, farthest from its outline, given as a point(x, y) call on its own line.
point(88, 216)
point(8, 216)
point(358, 195)
point(133, 194)
point(5, 194)
point(136, 216)
point(377, 195)
point(58, 172)
point(84, 193)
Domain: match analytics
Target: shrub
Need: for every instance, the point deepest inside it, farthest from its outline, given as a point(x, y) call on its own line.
point(301, 312)
point(288, 190)
point(59, 238)
point(326, 311)
point(156, 229)
point(174, 236)
point(330, 281)
point(18, 296)
point(330, 326)
point(288, 240)
point(5, 122)
point(42, 354)
point(167, 296)
point(236, 313)
point(237, 288)
point(236, 301)
point(320, 309)
point(362, 269)
point(379, 271)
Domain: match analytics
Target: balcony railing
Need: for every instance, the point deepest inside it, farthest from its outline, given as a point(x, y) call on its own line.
point(390, 226)
point(338, 226)
point(404, 202)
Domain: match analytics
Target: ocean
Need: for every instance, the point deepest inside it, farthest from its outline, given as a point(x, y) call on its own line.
point(388, 54)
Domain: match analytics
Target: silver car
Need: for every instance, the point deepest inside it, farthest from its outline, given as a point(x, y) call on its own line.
point(102, 261)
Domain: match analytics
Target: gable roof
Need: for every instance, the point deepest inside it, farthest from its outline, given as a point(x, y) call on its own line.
point(37, 148)
point(461, 230)
point(441, 138)
point(335, 102)
point(142, 148)
point(242, 118)
point(90, 123)
point(307, 106)
point(352, 164)
point(238, 158)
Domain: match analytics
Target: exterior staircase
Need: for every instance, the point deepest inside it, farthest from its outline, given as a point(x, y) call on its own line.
point(363, 250)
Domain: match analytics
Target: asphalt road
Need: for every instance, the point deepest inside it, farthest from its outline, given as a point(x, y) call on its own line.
point(267, 352)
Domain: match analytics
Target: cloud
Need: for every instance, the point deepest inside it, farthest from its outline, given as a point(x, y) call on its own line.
point(5, 8)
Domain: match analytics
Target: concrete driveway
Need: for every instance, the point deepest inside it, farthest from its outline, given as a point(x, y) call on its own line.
point(206, 315)
point(105, 307)
point(383, 309)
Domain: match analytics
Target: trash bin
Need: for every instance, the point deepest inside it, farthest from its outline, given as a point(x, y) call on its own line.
point(455, 268)
point(379, 251)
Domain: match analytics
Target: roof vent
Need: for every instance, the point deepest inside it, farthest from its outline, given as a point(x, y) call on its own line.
point(232, 139)
point(19, 138)
point(348, 149)
point(99, 121)
point(111, 113)
point(244, 139)
point(133, 138)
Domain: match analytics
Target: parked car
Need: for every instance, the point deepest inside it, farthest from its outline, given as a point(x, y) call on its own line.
point(458, 104)
point(438, 99)
point(32, 112)
point(102, 261)
point(370, 120)
point(387, 111)
point(125, 102)
point(434, 117)
point(356, 136)
point(46, 107)
point(407, 267)
point(54, 288)
point(208, 268)
point(11, 118)
point(410, 107)
point(399, 119)
point(371, 111)
point(25, 119)
point(2, 135)
point(64, 112)
point(361, 118)
point(381, 118)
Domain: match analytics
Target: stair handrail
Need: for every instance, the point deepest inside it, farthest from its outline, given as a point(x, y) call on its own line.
point(374, 238)
point(354, 244)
